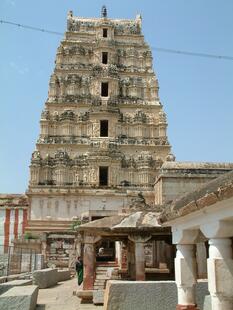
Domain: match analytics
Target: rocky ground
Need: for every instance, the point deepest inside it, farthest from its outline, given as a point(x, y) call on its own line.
point(61, 297)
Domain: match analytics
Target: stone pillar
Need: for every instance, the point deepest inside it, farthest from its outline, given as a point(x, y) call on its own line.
point(139, 241)
point(131, 260)
point(220, 263)
point(220, 273)
point(185, 272)
point(185, 267)
point(89, 266)
point(118, 252)
point(89, 261)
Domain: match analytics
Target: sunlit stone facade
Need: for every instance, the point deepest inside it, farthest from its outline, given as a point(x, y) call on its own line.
point(103, 129)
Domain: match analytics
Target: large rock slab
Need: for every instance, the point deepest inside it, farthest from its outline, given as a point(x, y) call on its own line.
point(20, 298)
point(45, 278)
point(4, 287)
point(63, 275)
point(140, 295)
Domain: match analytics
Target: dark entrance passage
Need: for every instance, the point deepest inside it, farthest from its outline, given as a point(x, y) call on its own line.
point(105, 251)
point(104, 128)
point(104, 89)
point(104, 58)
point(103, 176)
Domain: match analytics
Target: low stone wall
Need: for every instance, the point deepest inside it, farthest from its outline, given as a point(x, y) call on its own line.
point(140, 295)
point(45, 278)
point(4, 287)
point(20, 298)
point(63, 275)
point(21, 276)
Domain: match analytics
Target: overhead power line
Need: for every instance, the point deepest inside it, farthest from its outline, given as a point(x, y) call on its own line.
point(30, 27)
point(167, 50)
point(159, 49)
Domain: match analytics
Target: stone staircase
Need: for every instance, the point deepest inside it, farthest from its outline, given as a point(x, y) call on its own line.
point(102, 277)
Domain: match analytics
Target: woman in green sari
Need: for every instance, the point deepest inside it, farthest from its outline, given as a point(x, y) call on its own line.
point(79, 270)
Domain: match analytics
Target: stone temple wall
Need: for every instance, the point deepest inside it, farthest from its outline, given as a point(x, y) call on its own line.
point(178, 178)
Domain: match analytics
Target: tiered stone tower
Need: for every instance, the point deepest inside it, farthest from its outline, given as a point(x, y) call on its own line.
point(103, 129)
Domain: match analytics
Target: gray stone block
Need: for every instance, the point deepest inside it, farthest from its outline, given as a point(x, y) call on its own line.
point(20, 298)
point(156, 295)
point(63, 275)
point(45, 278)
point(201, 290)
point(98, 297)
point(138, 295)
point(207, 303)
point(4, 287)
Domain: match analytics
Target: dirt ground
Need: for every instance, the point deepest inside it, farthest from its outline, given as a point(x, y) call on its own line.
point(60, 297)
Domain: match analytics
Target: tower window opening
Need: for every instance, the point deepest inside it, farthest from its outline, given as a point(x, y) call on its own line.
point(103, 176)
point(103, 128)
point(105, 32)
point(104, 89)
point(104, 58)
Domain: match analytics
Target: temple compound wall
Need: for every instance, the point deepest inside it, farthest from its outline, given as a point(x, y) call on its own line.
point(179, 178)
point(13, 218)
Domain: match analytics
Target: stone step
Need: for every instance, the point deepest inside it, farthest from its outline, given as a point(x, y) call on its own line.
point(98, 287)
point(101, 277)
point(99, 282)
point(102, 273)
point(105, 267)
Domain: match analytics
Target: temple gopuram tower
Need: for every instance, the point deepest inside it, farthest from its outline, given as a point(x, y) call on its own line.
point(103, 128)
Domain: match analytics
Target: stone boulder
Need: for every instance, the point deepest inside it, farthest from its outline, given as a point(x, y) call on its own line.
point(20, 298)
point(4, 287)
point(63, 275)
point(45, 278)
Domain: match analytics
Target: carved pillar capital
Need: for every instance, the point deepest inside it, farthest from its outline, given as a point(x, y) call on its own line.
point(184, 236)
point(136, 238)
point(91, 238)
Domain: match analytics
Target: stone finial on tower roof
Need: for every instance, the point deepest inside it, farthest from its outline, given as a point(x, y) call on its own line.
point(70, 14)
point(104, 11)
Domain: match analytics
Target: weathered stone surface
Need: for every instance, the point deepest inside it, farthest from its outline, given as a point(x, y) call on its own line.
point(98, 297)
point(63, 275)
point(20, 298)
point(8, 285)
point(138, 295)
point(201, 292)
point(45, 278)
point(207, 200)
point(207, 303)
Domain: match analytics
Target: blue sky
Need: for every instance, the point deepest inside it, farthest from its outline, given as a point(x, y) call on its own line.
point(197, 93)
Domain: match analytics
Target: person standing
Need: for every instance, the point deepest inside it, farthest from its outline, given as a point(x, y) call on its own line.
point(79, 269)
